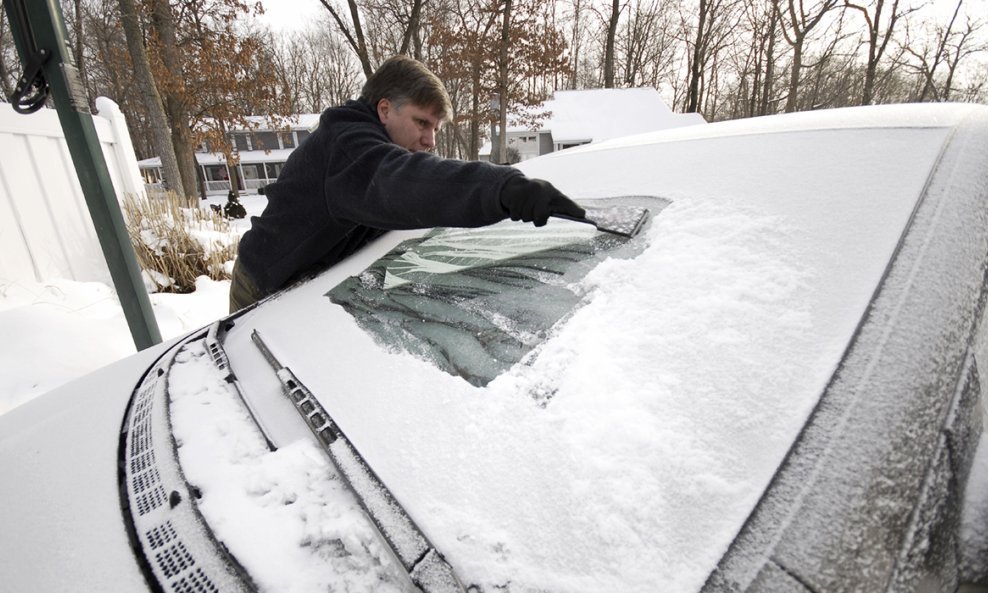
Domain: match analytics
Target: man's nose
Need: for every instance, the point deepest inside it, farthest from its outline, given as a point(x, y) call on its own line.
point(429, 139)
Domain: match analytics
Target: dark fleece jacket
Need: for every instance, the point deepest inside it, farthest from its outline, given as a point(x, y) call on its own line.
point(347, 183)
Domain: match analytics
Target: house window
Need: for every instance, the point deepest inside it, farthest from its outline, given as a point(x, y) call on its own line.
point(266, 141)
point(273, 170)
point(253, 171)
point(242, 141)
point(287, 140)
point(216, 173)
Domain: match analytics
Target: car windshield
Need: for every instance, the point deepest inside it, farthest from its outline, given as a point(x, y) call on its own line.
point(476, 301)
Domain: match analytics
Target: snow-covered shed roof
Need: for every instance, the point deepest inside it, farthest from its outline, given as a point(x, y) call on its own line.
point(601, 114)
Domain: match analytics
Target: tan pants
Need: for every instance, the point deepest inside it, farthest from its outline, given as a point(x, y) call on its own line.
point(243, 291)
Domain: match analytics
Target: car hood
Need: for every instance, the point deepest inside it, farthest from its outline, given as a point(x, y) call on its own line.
point(61, 519)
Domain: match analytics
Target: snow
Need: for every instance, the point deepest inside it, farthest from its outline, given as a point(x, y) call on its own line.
point(493, 507)
point(59, 330)
point(663, 434)
point(603, 114)
point(306, 531)
point(51, 327)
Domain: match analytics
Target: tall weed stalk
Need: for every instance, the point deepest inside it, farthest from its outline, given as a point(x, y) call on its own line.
point(176, 244)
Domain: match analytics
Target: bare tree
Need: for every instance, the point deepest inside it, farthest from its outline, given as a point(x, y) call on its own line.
point(390, 27)
point(171, 74)
point(411, 31)
point(936, 57)
point(612, 24)
point(647, 43)
point(79, 34)
point(160, 130)
point(498, 154)
point(354, 32)
point(576, 40)
point(797, 21)
point(315, 69)
point(8, 57)
point(880, 19)
point(766, 60)
point(716, 21)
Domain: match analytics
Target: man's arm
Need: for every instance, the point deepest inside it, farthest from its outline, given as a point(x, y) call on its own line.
point(386, 186)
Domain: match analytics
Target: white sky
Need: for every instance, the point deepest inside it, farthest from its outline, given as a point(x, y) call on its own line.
point(287, 15)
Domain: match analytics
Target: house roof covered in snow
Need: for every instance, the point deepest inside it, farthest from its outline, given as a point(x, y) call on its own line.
point(600, 114)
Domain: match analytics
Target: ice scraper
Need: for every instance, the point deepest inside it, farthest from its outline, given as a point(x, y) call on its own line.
point(626, 221)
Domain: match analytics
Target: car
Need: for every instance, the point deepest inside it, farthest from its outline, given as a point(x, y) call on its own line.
point(772, 386)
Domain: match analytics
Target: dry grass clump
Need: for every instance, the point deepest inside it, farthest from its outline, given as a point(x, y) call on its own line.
point(175, 243)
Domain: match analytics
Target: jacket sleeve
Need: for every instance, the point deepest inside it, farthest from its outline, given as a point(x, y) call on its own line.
point(376, 183)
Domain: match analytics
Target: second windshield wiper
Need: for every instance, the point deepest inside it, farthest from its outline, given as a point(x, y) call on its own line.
point(425, 566)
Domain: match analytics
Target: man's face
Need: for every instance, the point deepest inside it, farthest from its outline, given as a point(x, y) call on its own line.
point(410, 126)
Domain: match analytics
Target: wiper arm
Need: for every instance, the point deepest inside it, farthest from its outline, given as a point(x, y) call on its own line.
point(425, 566)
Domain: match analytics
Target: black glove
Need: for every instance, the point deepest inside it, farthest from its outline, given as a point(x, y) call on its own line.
point(533, 200)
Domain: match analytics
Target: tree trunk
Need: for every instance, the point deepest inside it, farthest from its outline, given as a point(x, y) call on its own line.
point(797, 65)
point(577, 42)
point(413, 26)
point(356, 38)
point(5, 74)
point(696, 61)
point(609, 46)
point(164, 25)
point(473, 148)
point(769, 80)
point(232, 165)
point(77, 50)
point(502, 84)
point(161, 136)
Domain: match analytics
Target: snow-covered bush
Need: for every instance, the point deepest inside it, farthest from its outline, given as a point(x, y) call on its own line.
point(176, 244)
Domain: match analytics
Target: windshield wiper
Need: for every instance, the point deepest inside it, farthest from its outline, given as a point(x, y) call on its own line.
point(425, 566)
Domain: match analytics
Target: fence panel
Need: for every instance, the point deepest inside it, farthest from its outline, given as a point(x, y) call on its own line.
point(45, 228)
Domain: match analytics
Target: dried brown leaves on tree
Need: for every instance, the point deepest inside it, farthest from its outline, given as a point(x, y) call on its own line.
point(520, 64)
point(214, 74)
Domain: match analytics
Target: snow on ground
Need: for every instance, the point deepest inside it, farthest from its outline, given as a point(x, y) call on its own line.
point(57, 330)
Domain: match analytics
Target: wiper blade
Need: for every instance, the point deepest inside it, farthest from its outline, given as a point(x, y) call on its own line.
point(425, 566)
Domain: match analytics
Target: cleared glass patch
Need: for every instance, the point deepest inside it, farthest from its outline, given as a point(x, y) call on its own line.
point(476, 301)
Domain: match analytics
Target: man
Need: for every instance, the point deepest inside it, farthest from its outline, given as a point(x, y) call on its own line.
point(367, 169)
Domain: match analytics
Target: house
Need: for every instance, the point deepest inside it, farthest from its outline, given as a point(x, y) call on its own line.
point(262, 151)
point(572, 118)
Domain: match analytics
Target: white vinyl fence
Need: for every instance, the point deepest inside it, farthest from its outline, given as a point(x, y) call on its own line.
point(45, 228)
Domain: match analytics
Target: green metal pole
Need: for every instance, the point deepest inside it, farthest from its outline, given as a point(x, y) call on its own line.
point(45, 32)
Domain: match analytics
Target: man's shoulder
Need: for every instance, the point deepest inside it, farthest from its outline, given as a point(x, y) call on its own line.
point(351, 111)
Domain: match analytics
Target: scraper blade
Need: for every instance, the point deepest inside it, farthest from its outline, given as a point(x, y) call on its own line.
point(626, 221)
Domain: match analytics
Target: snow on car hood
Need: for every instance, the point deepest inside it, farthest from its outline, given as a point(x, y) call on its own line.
point(679, 384)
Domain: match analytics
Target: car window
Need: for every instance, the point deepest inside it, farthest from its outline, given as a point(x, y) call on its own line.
point(476, 301)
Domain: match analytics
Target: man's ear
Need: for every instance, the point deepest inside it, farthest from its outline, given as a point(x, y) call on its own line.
point(383, 109)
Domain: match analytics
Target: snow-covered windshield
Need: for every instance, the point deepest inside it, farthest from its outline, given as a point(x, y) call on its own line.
point(476, 301)
point(626, 448)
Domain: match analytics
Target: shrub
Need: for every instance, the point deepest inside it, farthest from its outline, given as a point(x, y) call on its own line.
point(176, 244)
